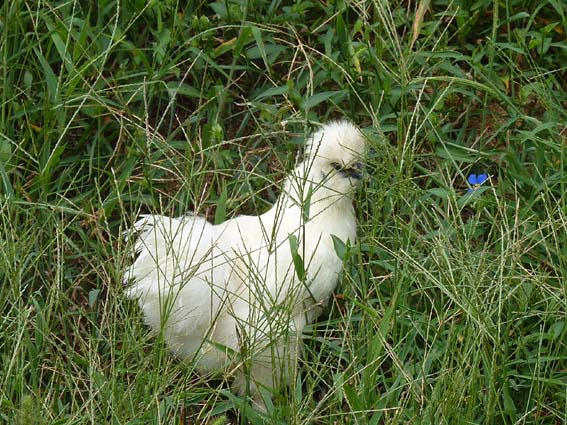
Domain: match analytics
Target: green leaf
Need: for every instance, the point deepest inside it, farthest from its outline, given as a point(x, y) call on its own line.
point(48, 74)
point(60, 46)
point(225, 47)
point(271, 50)
point(260, 44)
point(244, 38)
point(456, 153)
point(93, 296)
point(440, 192)
point(183, 89)
point(6, 187)
point(161, 46)
point(306, 205)
point(343, 37)
point(353, 398)
point(272, 91)
point(340, 247)
point(296, 258)
point(316, 99)
point(220, 213)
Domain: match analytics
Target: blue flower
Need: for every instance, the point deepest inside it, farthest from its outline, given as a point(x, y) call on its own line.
point(476, 180)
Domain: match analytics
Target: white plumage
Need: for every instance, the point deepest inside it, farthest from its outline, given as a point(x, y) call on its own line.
point(233, 297)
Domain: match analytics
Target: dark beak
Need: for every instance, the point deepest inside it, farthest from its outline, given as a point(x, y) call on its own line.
point(355, 172)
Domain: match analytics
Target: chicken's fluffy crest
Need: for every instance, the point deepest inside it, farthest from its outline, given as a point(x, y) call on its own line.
point(235, 293)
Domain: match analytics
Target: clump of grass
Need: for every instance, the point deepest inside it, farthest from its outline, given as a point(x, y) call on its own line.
point(452, 305)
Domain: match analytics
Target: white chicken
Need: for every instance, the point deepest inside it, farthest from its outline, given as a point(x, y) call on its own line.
point(235, 297)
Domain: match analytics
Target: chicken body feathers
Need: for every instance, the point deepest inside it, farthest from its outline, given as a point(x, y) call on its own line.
point(221, 292)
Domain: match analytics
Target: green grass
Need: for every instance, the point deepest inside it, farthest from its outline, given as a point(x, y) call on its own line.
point(453, 306)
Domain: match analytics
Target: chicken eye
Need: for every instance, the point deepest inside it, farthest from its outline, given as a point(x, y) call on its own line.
point(351, 172)
point(336, 166)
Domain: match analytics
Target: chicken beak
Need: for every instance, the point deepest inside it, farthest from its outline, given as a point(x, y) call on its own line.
point(355, 172)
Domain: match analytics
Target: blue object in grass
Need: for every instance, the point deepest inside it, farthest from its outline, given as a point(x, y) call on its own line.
point(475, 180)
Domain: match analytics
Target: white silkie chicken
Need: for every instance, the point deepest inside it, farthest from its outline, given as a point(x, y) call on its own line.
point(235, 297)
